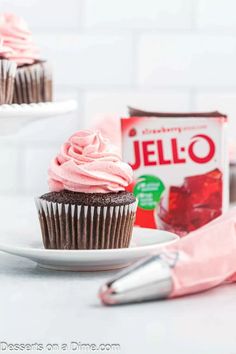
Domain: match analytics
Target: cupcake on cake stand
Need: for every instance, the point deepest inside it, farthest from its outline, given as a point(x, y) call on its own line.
point(26, 93)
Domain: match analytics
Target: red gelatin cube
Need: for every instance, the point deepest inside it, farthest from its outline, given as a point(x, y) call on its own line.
point(195, 203)
point(178, 197)
point(205, 190)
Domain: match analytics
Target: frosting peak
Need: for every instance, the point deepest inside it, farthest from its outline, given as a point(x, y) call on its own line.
point(89, 163)
point(15, 34)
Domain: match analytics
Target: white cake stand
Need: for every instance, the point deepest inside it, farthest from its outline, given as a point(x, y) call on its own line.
point(15, 116)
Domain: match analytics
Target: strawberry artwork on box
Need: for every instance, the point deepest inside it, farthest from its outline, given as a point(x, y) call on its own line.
point(180, 167)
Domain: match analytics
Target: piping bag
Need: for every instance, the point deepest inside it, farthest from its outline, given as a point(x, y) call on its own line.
point(199, 261)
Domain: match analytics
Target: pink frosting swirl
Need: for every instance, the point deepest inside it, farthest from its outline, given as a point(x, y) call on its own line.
point(14, 34)
point(88, 163)
point(4, 50)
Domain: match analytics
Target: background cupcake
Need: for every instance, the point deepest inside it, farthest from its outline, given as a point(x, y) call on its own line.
point(33, 81)
point(7, 74)
point(88, 207)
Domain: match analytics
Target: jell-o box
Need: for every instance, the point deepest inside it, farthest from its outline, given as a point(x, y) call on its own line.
point(180, 166)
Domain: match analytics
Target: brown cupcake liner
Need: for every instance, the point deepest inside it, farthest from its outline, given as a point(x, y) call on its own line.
point(67, 226)
point(7, 76)
point(33, 84)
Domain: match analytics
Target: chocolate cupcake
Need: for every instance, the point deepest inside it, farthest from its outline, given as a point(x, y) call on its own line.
point(33, 82)
point(7, 75)
point(87, 206)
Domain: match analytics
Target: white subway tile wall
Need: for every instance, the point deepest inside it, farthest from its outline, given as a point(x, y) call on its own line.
point(86, 60)
point(133, 14)
point(192, 60)
point(167, 55)
point(216, 15)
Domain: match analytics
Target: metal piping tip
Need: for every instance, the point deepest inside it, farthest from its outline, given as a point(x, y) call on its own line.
point(147, 280)
point(106, 295)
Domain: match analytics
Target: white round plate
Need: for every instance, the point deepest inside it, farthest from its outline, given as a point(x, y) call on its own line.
point(144, 242)
point(14, 116)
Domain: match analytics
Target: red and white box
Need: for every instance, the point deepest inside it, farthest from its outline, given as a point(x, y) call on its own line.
point(180, 164)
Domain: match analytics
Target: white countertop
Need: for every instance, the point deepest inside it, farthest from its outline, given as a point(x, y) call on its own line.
point(43, 307)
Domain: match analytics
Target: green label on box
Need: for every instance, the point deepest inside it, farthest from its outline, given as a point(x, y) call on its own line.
point(148, 190)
